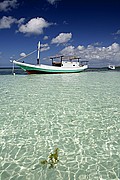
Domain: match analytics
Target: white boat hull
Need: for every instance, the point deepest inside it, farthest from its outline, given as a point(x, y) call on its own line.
point(111, 67)
point(35, 69)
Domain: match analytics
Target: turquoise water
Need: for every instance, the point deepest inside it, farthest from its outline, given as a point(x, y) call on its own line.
point(77, 113)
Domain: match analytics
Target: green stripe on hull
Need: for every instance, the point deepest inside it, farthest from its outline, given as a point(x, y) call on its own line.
point(42, 70)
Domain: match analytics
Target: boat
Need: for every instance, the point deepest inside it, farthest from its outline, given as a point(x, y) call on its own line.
point(60, 64)
point(111, 67)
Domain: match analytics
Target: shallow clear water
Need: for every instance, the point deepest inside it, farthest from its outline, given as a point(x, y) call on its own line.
point(77, 113)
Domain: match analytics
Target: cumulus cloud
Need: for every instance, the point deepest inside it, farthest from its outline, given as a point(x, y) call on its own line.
point(91, 52)
point(45, 37)
point(53, 1)
point(6, 22)
point(44, 47)
point(20, 21)
point(34, 26)
point(8, 5)
point(23, 54)
point(80, 48)
point(62, 38)
point(68, 51)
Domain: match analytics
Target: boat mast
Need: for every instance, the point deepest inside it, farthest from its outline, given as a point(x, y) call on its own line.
point(38, 54)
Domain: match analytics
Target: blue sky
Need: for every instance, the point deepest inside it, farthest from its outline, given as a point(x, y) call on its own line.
point(89, 29)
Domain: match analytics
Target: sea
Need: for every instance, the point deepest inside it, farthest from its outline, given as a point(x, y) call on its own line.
point(76, 115)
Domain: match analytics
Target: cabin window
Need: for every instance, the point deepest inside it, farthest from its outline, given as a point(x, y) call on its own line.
point(62, 64)
point(73, 64)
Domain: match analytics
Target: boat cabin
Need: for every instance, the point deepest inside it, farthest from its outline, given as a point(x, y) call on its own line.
point(67, 62)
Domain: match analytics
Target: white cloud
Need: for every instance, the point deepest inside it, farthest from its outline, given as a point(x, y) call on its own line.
point(53, 1)
point(90, 53)
point(34, 26)
point(115, 47)
point(62, 38)
point(68, 51)
point(7, 5)
point(45, 37)
point(44, 47)
point(80, 48)
point(6, 22)
point(23, 54)
point(20, 21)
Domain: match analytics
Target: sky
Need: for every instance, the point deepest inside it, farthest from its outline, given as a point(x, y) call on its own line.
point(89, 29)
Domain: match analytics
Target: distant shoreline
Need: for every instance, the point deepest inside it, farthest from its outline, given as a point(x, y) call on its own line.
point(91, 68)
point(9, 68)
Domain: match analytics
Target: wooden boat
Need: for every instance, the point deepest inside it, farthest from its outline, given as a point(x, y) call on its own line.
point(60, 64)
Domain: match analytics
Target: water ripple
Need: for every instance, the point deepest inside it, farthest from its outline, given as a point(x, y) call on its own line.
point(77, 113)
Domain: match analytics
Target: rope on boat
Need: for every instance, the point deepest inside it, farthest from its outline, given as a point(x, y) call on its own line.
point(26, 55)
point(13, 69)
